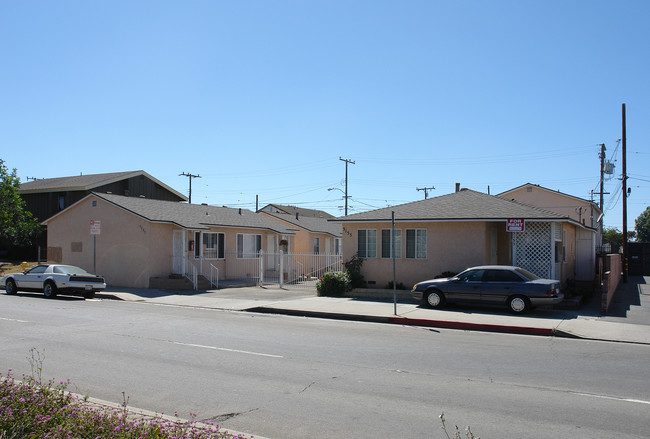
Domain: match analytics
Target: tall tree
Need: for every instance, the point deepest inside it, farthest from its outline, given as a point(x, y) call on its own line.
point(17, 225)
point(613, 236)
point(642, 226)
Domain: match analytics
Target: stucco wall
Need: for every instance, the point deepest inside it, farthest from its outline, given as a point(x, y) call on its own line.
point(303, 240)
point(128, 251)
point(450, 247)
point(555, 202)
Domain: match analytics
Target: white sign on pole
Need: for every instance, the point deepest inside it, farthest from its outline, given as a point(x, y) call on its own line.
point(95, 227)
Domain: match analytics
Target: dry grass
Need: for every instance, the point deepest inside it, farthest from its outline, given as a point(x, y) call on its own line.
point(13, 267)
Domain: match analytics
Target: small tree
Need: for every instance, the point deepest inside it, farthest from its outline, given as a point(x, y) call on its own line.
point(353, 268)
point(613, 236)
point(16, 223)
point(642, 226)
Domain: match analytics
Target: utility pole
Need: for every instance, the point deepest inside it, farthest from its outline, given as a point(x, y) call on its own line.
point(624, 138)
point(346, 182)
point(602, 174)
point(190, 176)
point(426, 190)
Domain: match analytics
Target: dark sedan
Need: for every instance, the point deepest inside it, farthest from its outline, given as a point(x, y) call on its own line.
point(518, 289)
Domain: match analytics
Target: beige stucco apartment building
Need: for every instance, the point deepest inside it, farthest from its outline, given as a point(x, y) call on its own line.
point(130, 240)
point(459, 230)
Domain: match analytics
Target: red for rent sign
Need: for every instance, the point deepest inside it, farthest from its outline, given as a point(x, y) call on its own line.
point(515, 225)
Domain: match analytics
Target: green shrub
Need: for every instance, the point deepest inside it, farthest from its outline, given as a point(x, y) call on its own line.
point(353, 268)
point(400, 286)
point(333, 284)
point(446, 274)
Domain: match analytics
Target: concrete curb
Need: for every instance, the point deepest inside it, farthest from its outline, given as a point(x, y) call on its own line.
point(484, 327)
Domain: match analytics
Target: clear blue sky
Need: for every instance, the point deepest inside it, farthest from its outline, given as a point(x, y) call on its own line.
point(263, 97)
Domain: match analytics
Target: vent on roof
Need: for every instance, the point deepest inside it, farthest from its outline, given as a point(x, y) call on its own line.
point(240, 210)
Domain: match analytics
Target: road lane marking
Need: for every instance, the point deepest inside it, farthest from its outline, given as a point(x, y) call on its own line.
point(638, 401)
point(226, 349)
point(14, 320)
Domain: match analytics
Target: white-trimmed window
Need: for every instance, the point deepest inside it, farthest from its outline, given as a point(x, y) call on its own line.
point(386, 250)
point(367, 243)
point(213, 245)
point(337, 246)
point(316, 246)
point(416, 243)
point(248, 246)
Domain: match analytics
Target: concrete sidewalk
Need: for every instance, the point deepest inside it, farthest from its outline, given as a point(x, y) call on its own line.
point(628, 319)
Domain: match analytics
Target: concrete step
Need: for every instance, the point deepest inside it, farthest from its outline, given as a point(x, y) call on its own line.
point(175, 282)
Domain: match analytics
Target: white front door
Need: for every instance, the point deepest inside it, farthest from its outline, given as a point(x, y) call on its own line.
point(178, 248)
point(272, 259)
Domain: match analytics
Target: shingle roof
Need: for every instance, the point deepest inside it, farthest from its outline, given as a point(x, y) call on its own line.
point(301, 211)
point(464, 205)
point(311, 224)
point(86, 182)
point(194, 216)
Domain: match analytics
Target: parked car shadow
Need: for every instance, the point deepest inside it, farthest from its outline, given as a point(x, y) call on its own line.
point(546, 312)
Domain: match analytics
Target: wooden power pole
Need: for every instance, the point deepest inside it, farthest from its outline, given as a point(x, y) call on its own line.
point(624, 152)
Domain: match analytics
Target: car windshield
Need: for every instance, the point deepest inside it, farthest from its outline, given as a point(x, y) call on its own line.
point(527, 274)
point(69, 269)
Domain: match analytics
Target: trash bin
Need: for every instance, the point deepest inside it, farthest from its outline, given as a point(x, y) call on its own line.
point(24, 265)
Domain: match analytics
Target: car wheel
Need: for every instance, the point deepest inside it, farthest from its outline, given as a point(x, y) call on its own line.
point(89, 294)
point(49, 289)
point(519, 304)
point(435, 298)
point(10, 287)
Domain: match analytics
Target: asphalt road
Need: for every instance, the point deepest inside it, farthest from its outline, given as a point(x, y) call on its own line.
point(289, 377)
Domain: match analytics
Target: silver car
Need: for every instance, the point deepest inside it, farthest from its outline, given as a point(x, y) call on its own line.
point(518, 289)
point(52, 279)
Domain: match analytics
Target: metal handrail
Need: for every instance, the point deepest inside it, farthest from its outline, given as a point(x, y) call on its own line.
point(195, 277)
point(214, 279)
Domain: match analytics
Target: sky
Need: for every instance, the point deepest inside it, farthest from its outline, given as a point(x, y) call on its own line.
point(262, 99)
